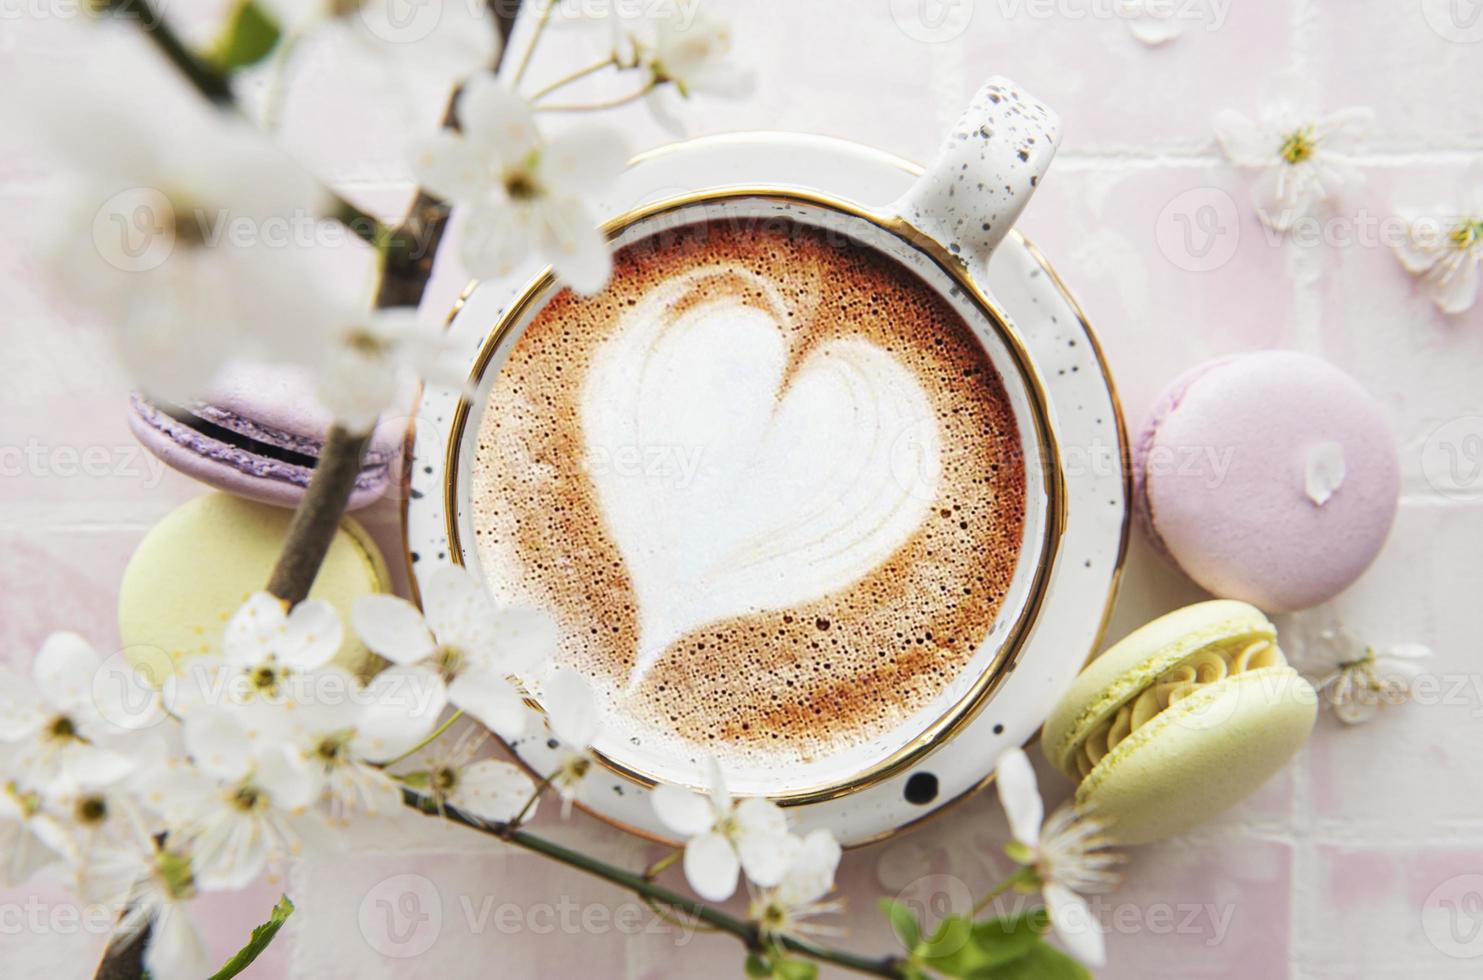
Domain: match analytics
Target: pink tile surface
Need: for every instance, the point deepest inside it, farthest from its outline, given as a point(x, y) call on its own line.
point(1362, 860)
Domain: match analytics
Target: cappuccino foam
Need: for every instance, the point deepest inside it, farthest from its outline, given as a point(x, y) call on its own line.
point(768, 481)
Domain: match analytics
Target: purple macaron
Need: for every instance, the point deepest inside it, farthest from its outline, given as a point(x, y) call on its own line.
point(1269, 477)
point(257, 434)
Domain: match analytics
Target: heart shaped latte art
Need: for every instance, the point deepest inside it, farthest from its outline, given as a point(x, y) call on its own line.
point(735, 476)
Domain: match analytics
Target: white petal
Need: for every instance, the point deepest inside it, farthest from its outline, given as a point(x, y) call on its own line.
point(392, 627)
point(1325, 471)
point(452, 168)
point(811, 875)
point(766, 857)
point(289, 779)
point(1246, 143)
point(21, 710)
point(720, 796)
point(364, 789)
point(1458, 292)
point(571, 709)
point(175, 951)
point(1424, 243)
point(456, 605)
point(711, 867)
point(583, 161)
point(762, 818)
point(492, 790)
point(490, 699)
point(231, 852)
point(63, 671)
point(1020, 796)
point(218, 744)
point(1285, 194)
point(403, 708)
point(253, 629)
point(682, 811)
point(493, 238)
point(576, 247)
point(91, 767)
point(497, 120)
point(1075, 924)
point(180, 794)
point(311, 637)
point(523, 639)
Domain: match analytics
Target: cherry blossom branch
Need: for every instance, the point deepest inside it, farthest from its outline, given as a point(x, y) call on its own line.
point(407, 266)
point(638, 884)
point(317, 518)
point(214, 86)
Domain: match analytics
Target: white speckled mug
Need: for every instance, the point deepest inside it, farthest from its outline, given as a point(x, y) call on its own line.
point(940, 235)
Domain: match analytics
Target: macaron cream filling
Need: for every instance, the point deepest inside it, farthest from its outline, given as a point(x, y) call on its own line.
point(1203, 668)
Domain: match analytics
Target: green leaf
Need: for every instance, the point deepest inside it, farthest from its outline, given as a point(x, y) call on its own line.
point(250, 36)
point(905, 924)
point(261, 937)
point(778, 967)
point(795, 970)
point(1042, 962)
point(965, 949)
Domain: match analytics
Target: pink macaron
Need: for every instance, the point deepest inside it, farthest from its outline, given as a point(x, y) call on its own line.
point(1269, 477)
point(257, 434)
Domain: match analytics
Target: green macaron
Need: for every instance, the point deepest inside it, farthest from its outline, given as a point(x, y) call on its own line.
point(1180, 720)
point(197, 566)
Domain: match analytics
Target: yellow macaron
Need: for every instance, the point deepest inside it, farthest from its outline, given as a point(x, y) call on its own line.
point(1180, 720)
point(198, 565)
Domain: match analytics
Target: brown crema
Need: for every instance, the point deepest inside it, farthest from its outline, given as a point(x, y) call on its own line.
point(773, 685)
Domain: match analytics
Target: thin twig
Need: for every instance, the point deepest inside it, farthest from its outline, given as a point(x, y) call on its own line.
point(543, 19)
point(592, 69)
point(886, 966)
point(215, 87)
point(432, 737)
point(649, 86)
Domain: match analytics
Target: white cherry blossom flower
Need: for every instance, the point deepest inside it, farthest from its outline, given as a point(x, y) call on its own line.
point(265, 646)
point(330, 736)
point(784, 910)
point(154, 886)
point(465, 649)
point(522, 191)
point(572, 714)
point(488, 789)
point(184, 235)
point(30, 837)
point(241, 802)
point(724, 837)
point(1367, 679)
point(1301, 157)
point(366, 357)
point(101, 816)
point(1445, 251)
point(53, 721)
point(691, 59)
point(695, 56)
point(1066, 856)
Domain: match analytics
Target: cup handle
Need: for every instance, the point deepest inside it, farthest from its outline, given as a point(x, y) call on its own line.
point(985, 173)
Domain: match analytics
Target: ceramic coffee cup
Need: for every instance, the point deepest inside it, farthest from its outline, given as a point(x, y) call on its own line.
point(847, 571)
